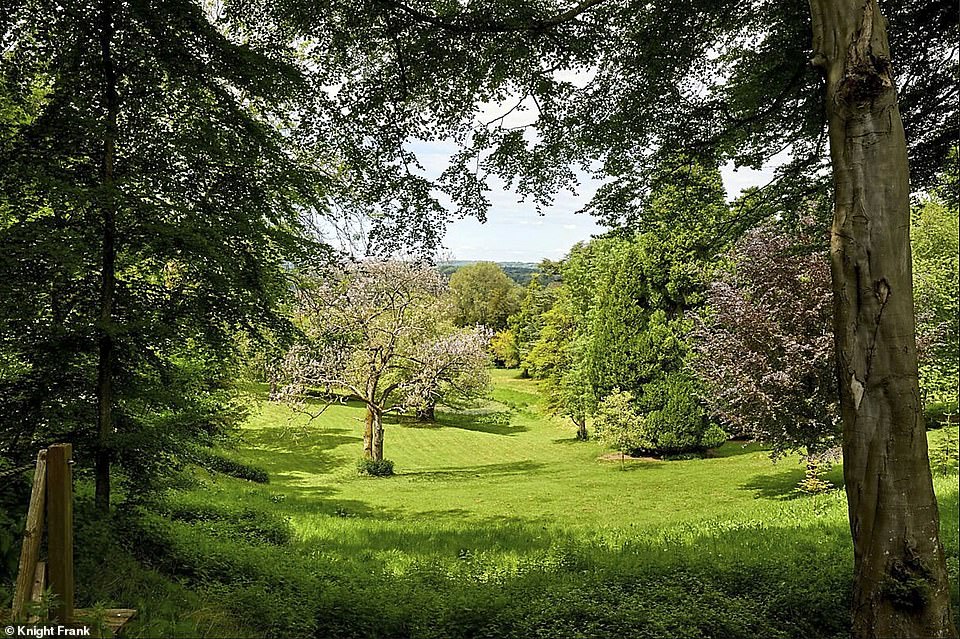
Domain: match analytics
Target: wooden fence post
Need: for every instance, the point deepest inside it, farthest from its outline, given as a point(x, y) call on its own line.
point(30, 550)
point(60, 528)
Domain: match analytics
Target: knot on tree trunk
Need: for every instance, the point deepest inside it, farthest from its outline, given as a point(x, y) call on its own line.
point(865, 81)
point(866, 73)
point(908, 585)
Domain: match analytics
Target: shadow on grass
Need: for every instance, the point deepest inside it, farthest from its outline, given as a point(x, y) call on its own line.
point(749, 582)
point(447, 534)
point(332, 506)
point(735, 448)
point(494, 423)
point(783, 486)
point(487, 470)
point(290, 454)
point(632, 465)
point(778, 487)
point(512, 577)
point(413, 422)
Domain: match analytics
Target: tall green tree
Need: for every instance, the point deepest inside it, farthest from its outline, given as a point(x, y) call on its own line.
point(483, 295)
point(638, 327)
point(934, 234)
point(149, 203)
point(637, 342)
point(558, 361)
point(526, 324)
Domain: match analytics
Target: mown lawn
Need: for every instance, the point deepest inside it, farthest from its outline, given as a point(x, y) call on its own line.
point(499, 524)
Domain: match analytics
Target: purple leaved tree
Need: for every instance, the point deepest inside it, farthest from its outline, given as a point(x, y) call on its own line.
point(764, 345)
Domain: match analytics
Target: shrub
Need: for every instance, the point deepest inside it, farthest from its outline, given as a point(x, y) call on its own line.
point(944, 454)
point(936, 414)
point(675, 421)
point(617, 423)
point(676, 429)
point(813, 482)
point(713, 437)
point(216, 462)
point(374, 467)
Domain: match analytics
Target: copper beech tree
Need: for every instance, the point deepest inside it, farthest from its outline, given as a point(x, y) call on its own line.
point(764, 345)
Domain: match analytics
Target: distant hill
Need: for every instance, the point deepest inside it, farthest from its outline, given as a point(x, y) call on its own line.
point(519, 272)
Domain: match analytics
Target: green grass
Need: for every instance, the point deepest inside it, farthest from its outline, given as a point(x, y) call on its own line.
point(499, 523)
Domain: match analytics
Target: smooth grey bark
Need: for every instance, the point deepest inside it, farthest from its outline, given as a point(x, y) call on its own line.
point(106, 355)
point(901, 587)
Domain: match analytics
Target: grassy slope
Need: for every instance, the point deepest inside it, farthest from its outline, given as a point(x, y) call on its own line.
point(499, 522)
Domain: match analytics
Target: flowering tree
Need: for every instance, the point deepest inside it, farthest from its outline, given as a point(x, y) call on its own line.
point(764, 345)
point(376, 330)
point(451, 368)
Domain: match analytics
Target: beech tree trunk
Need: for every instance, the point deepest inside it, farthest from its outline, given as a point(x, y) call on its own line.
point(901, 585)
point(105, 364)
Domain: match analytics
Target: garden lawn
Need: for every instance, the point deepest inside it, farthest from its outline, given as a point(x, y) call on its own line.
point(500, 524)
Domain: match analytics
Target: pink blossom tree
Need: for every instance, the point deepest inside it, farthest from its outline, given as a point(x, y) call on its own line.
point(380, 331)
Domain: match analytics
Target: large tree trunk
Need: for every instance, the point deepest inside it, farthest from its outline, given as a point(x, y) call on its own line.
point(377, 439)
point(105, 364)
point(368, 434)
point(581, 424)
point(900, 583)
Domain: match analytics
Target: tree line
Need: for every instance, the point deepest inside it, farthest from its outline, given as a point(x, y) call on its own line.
point(674, 338)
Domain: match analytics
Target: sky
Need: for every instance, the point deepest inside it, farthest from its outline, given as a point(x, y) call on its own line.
point(515, 233)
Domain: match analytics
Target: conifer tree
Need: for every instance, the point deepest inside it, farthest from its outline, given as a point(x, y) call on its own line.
point(149, 203)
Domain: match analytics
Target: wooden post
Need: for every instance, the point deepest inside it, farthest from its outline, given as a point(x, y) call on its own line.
point(39, 583)
point(60, 528)
point(30, 550)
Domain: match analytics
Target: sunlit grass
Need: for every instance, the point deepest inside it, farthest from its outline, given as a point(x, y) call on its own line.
point(502, 498)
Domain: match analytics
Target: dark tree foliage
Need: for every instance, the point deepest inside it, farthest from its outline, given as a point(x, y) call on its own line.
point(618, 320)
point(148, 203)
